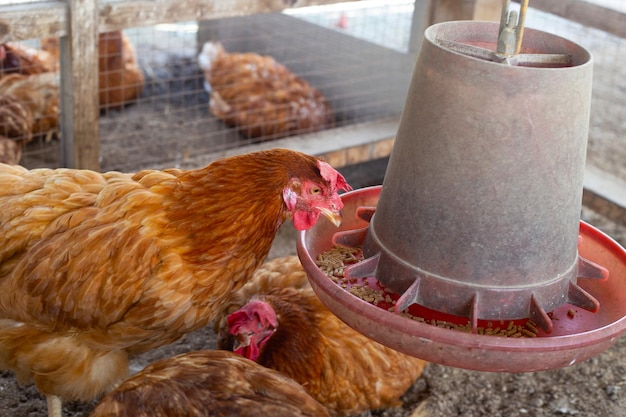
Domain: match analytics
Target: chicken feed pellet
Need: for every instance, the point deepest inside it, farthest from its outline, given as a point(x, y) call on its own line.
point(334, 261)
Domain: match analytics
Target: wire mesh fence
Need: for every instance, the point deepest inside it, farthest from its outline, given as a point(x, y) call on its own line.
point(170, 119)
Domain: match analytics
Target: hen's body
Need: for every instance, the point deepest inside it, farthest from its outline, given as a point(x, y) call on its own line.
point(208, 384)
point(120, 76)
point(39, 93)
point(20, 59)
point(341, 368)
point(261, 97)
point(16, 128)
point(30, 77)
point(94, 267)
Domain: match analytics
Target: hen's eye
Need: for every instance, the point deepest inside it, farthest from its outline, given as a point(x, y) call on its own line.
point(315, 190)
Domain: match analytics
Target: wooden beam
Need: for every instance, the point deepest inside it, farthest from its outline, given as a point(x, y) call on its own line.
point(340, 147)
point(50, 18)
point(79, 84)
point(33, 20)
point(115, 14)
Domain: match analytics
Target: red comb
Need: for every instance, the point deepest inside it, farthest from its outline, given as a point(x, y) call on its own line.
point(330, 174)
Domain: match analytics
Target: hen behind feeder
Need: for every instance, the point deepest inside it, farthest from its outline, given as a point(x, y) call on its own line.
point(261, 97)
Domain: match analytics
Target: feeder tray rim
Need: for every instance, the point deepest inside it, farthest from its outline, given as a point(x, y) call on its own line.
point(420, 335)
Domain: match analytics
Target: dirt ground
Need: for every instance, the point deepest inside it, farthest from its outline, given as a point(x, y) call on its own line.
point(596, 387)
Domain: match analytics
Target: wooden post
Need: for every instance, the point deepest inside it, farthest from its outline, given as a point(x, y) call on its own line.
point(79, 87)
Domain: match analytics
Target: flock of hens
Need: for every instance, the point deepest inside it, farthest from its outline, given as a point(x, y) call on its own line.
point(251, 93)
point(98, 267)
point(30, 88)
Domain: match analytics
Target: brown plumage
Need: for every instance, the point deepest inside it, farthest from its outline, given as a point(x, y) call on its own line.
point(208, 384)
point(19, 59)
point(94, 267)
point(40, 94)
point(34, 74)
point(10, 150)
point(277, 320)
point(261, 97)
point(16, 120)
point(16, 126)
point(30, 77)
point(119, 75)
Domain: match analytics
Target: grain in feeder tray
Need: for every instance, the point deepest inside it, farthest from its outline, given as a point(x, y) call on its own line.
point(334, 261)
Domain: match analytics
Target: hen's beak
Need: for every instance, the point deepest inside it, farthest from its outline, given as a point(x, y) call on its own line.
point(333, 215)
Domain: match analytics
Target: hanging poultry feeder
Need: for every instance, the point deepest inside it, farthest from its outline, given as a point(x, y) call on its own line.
point(478, 217)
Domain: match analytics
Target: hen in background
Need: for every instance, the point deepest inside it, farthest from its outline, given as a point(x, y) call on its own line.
point(95, 267)
point(20, 59)
point(120, 77)
point(208, 384)
point(40, 94)
point(277, 320)
point(29, 77)
point(259, 96)
point(16, 126)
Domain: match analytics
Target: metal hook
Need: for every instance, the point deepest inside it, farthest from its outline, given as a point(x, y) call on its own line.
point(511, 29)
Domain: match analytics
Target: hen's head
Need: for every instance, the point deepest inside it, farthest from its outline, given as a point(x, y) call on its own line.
point(307, 198)
point(252, 326)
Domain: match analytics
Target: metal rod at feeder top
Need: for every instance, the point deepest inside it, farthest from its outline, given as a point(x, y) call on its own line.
point(511, 29)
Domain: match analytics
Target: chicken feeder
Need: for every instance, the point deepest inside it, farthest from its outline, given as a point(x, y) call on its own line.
point(478, 216)
point(480, 206)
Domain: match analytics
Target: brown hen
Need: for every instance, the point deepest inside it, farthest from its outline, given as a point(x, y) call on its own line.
point(16, 126)
point(30, 76)
point(277, 320)
point(208, 384)
point(19, 59)
point(120, 77)
point(40, 94)
point(261, 97)
point(97, 266)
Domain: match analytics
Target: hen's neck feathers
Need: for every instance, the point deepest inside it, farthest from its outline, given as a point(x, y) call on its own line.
point(237, 202)
point(297, 337)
